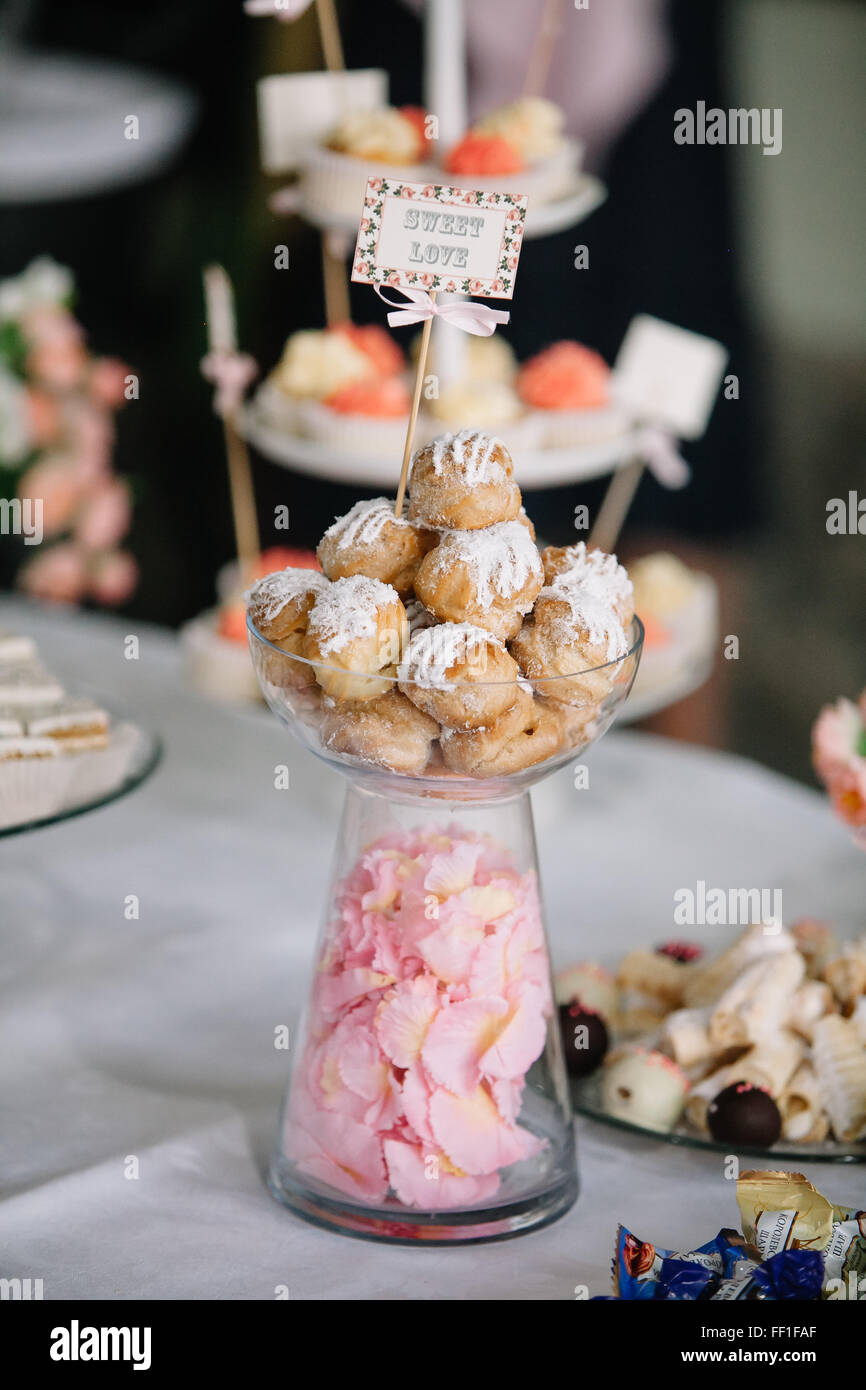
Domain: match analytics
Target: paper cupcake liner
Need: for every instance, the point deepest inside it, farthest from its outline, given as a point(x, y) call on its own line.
point(564, 429)
point(94, 774)
point(32, 789)
point(334, 184)
point(367, 436)
point(215, 667)
point(274, 408)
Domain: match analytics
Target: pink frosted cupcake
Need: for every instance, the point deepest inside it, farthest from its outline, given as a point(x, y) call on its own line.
point(367, 417)
point(569, 385)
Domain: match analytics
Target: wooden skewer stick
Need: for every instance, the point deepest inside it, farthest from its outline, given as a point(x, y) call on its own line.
point(333, 269)
point(337, 308)
point(222, 340)
point(541, 53)
point(615, 504)
point(413, 416)
point(329, 33)
point(243, 501)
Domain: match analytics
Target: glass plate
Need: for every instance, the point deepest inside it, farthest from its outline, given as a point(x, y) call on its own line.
point(586, 1099)
point(144, 754)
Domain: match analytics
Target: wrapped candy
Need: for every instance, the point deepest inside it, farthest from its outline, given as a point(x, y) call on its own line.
point(795, 1246)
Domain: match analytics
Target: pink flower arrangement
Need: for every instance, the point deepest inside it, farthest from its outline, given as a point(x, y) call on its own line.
point(839, 758)
point(430, 1006)
point(57, 403)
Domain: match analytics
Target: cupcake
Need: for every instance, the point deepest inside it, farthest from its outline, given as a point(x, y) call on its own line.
point(376, 344)
point(34, 777)
point(386, 142)
point(367, 417)
point(569, 385)
point(679, 610)
point(315, 363)
point(521, 143)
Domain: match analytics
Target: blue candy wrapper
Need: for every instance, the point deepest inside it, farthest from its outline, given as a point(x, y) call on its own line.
point(642, 1270)
point(790, 1274)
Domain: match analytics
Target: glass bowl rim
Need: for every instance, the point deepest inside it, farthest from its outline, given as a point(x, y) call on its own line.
point(536, 681)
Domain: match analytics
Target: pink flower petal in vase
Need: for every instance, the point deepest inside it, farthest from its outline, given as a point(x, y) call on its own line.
point(422, 1179)
point(450, 948)
point(489, 972)
point(404, 1017)
point(452, 871)
point(416, 1094)
point(334, 992)
point(473, 1134)
point(508, 1096)
point(520, 1042)
point(388, 945)
point(366, 1072)
point(383, 868)
point(340, 1152)
point(460, 1036)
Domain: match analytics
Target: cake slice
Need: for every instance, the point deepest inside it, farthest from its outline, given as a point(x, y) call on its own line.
point(75, 723)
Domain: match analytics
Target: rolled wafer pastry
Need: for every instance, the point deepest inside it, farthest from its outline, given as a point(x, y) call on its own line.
point(634, 1021)
point(770, 1065)
point(708, 981)
point(816, 942)
point(858, 1018)
point(810, 1002)
point(702, 1092)
point(846, 974)
point(753, 1007)
point(685, 1035)
point(804, 1119)
point(653, 975)
point(839, 1059)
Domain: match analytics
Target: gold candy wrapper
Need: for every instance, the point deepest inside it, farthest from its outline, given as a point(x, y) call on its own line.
point(784, 1211)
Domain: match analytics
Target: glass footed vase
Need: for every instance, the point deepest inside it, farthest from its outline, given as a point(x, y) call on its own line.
point(428, 1098)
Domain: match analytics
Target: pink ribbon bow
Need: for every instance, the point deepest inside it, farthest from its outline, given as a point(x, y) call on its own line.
point(658, 449)
point(231, 374)
point(462, 313)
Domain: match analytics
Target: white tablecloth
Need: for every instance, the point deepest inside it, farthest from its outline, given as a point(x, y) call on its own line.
point(153, 1039)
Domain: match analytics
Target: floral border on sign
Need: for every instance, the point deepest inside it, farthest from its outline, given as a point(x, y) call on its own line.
point(365, 270)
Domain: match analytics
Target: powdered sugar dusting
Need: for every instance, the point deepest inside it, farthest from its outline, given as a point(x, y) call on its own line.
point(433, 651)
point(364, 524)
point(472, 452)
point(501, 559)
point(598, 573)
point(348, 609)
point(586, 612)
point(271, 594)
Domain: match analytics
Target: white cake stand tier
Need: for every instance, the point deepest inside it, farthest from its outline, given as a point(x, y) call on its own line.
point(580, 197)
point(534, 468)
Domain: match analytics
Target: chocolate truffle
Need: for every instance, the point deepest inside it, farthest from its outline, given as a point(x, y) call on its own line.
point(744, 1114)
point(584, 1037)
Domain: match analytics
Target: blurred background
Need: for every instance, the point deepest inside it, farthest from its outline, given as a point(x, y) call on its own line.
point(760, 252)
